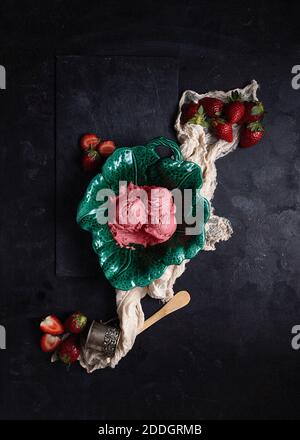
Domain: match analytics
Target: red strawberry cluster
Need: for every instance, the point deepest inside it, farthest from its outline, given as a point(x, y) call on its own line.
point(219, 117)
point(63, 337)
point(94, 149)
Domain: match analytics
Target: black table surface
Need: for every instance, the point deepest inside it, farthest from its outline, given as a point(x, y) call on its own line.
point(228, 354)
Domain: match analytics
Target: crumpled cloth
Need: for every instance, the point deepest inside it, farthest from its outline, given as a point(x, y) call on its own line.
point(199, 146)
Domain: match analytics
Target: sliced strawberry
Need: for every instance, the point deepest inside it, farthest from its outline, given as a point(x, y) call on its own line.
point(52, 325)
point(222, 129)
point(251, 134)
point(89, 141)
point(106, 148)
point(212, 106)
point(49, 342)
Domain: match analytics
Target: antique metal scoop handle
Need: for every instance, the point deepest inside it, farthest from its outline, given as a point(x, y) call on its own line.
point(104, 338)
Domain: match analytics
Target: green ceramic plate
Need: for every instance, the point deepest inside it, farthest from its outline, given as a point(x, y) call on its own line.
point(127, 268)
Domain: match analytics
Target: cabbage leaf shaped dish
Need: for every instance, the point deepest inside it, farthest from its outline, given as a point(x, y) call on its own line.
point(128, 267)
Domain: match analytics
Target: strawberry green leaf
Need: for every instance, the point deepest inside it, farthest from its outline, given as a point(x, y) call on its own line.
point(257, 109)
point(199, 118)
point(255, 126)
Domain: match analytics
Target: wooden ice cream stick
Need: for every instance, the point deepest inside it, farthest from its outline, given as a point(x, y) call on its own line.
point(181, 299)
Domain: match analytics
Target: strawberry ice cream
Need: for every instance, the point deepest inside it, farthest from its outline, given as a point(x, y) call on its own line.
point(144, 215)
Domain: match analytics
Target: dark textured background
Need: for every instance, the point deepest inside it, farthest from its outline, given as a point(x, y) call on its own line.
point(228, 354)
point(128, 99)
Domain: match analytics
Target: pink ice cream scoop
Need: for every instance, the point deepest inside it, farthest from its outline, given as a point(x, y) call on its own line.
point(145, 215)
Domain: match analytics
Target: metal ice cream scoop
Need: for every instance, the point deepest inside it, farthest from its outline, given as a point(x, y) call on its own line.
point(104, 337)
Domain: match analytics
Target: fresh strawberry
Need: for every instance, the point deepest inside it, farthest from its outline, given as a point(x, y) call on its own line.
point(49, 342)
point(90, 160)
point(251, 134)
point(254, 111)
point(188, 110)
point(235, 109)
point(212, 106)
point(89, 141)
point(76, 322)
point(222, 129)
point(69, 350)
point(52, 325)
point(106, 148)
point(199, 118)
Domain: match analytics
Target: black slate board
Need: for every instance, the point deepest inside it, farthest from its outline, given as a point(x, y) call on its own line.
point(128, 99)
